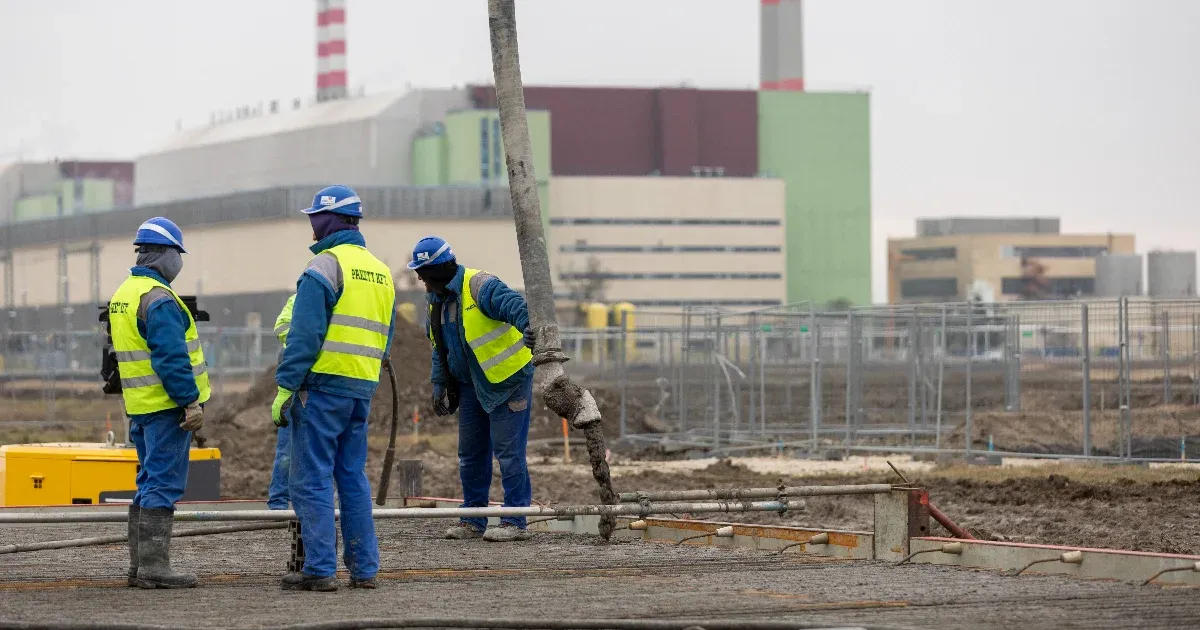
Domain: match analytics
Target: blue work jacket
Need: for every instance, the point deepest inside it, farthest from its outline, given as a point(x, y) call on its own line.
point(164, 329)
point(315, 299)
point(496, 301)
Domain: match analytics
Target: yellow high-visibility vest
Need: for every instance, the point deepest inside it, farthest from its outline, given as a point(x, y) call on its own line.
point(356, 341)
point(498, 347)
point(283, 323)
point(141, 388)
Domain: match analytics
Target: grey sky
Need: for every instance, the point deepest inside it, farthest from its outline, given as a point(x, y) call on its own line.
point(1085, 109)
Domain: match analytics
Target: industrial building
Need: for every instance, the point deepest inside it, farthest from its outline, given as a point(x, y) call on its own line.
point(997, 259)
point(752, 197)
point(780, 216)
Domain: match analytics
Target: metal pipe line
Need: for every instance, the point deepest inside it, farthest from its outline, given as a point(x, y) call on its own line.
point(630, 509)
point(120, 538)
point(735, 494)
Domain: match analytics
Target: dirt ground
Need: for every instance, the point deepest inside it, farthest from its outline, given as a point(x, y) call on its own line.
point(1103, 506)
point(557, 577)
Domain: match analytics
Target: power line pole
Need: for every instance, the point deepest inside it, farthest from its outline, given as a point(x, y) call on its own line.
point(560, 394)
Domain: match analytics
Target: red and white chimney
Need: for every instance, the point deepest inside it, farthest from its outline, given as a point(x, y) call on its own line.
point(331, 50)
point(781, 48)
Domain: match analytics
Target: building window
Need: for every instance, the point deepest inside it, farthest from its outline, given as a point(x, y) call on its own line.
point(660, 221)
point(931, 253)
point(1083, 251)
point(1057, 287)
point(582, 247)
point(668, 276)
point(929, 288)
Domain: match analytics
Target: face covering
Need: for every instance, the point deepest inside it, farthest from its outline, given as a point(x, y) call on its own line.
point(167, 262)
point(436, 277)
point(326, 223)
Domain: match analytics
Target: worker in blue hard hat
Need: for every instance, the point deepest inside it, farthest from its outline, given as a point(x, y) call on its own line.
point(164, 382)
point(482, 368)
point(341, 329)
point(277, 492)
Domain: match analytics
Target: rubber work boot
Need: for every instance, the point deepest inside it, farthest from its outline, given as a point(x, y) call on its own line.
point(367, 583)
point(131, 575)
point(506, 532)
point(306, 582)
point(463, 531)
point(154, 551)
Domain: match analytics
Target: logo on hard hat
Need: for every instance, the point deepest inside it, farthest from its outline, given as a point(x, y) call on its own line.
point(422, 255)
point(327, 200)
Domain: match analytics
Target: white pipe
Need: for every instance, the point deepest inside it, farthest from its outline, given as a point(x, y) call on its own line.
point(628, 509)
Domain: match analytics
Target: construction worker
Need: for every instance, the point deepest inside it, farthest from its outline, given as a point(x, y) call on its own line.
point(342, 325)
point(481, 368)
point(164, 382)
point(277, 493)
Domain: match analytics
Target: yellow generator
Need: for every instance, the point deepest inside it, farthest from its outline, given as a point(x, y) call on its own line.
point(73, 473)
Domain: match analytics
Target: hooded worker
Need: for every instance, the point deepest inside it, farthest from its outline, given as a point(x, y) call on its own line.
point(342, 323)
point(482, 368)
point(164, 382)
point(277, 493)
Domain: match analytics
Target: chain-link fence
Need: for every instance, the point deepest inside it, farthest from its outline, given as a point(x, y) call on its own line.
point(1114, 378)
point(53, 378)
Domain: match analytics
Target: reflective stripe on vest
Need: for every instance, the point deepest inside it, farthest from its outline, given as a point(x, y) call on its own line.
point(356, 341)
point(141, 388)
point(498, 346)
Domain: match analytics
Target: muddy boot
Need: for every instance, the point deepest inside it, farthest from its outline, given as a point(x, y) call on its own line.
point(306, 582)
point(131, 575)
point(367, 583)
point(506, 532)
point(463, 531)
point(154, 551)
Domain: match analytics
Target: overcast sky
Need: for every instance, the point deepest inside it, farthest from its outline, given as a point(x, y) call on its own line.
point(1084, 109)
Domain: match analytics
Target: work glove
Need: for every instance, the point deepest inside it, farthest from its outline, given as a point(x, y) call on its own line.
point(445, 400)
point(193, 417)
point(530, 338)
point(281, 406)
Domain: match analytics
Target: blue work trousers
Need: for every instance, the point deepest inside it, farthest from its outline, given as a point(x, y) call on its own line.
point(503, 433)
point(163, 451)
point(277, 493)
point(329, 445)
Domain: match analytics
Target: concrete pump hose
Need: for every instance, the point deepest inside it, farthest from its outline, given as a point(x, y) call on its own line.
point(498, 623)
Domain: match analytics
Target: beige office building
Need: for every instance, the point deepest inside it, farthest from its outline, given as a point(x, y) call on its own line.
point(952, 259)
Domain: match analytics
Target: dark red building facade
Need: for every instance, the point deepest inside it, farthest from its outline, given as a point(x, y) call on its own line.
point(643, 131)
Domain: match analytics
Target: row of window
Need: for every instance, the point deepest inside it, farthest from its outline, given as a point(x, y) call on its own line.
point(579, 248)
point(1010, 251)
point(604, 275)
point(948, 287)
point(660, 221)
point(1083, 251)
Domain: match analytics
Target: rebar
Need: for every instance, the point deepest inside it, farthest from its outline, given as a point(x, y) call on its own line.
point(120, 538)
point(735, 494)
point(632, 509)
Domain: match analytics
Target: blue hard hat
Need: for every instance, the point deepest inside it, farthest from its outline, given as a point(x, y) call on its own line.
point(338, 200)
point(160, 231)
point(431, 250)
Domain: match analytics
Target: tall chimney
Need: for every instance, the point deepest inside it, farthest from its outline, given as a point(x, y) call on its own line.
point(331, 50)
point(781, 48)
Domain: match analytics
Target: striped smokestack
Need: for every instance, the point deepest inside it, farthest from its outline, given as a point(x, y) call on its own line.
point(331, 50)
point(781, 49)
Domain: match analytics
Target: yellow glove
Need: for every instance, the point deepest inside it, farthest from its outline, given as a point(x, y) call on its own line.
point(281, 406)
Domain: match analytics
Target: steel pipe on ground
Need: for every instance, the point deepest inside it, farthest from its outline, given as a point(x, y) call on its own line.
point(736, 494)
point(120, 538)
point(631, 509)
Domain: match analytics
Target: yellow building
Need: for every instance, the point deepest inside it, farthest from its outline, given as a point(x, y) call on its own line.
point(951, 259)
